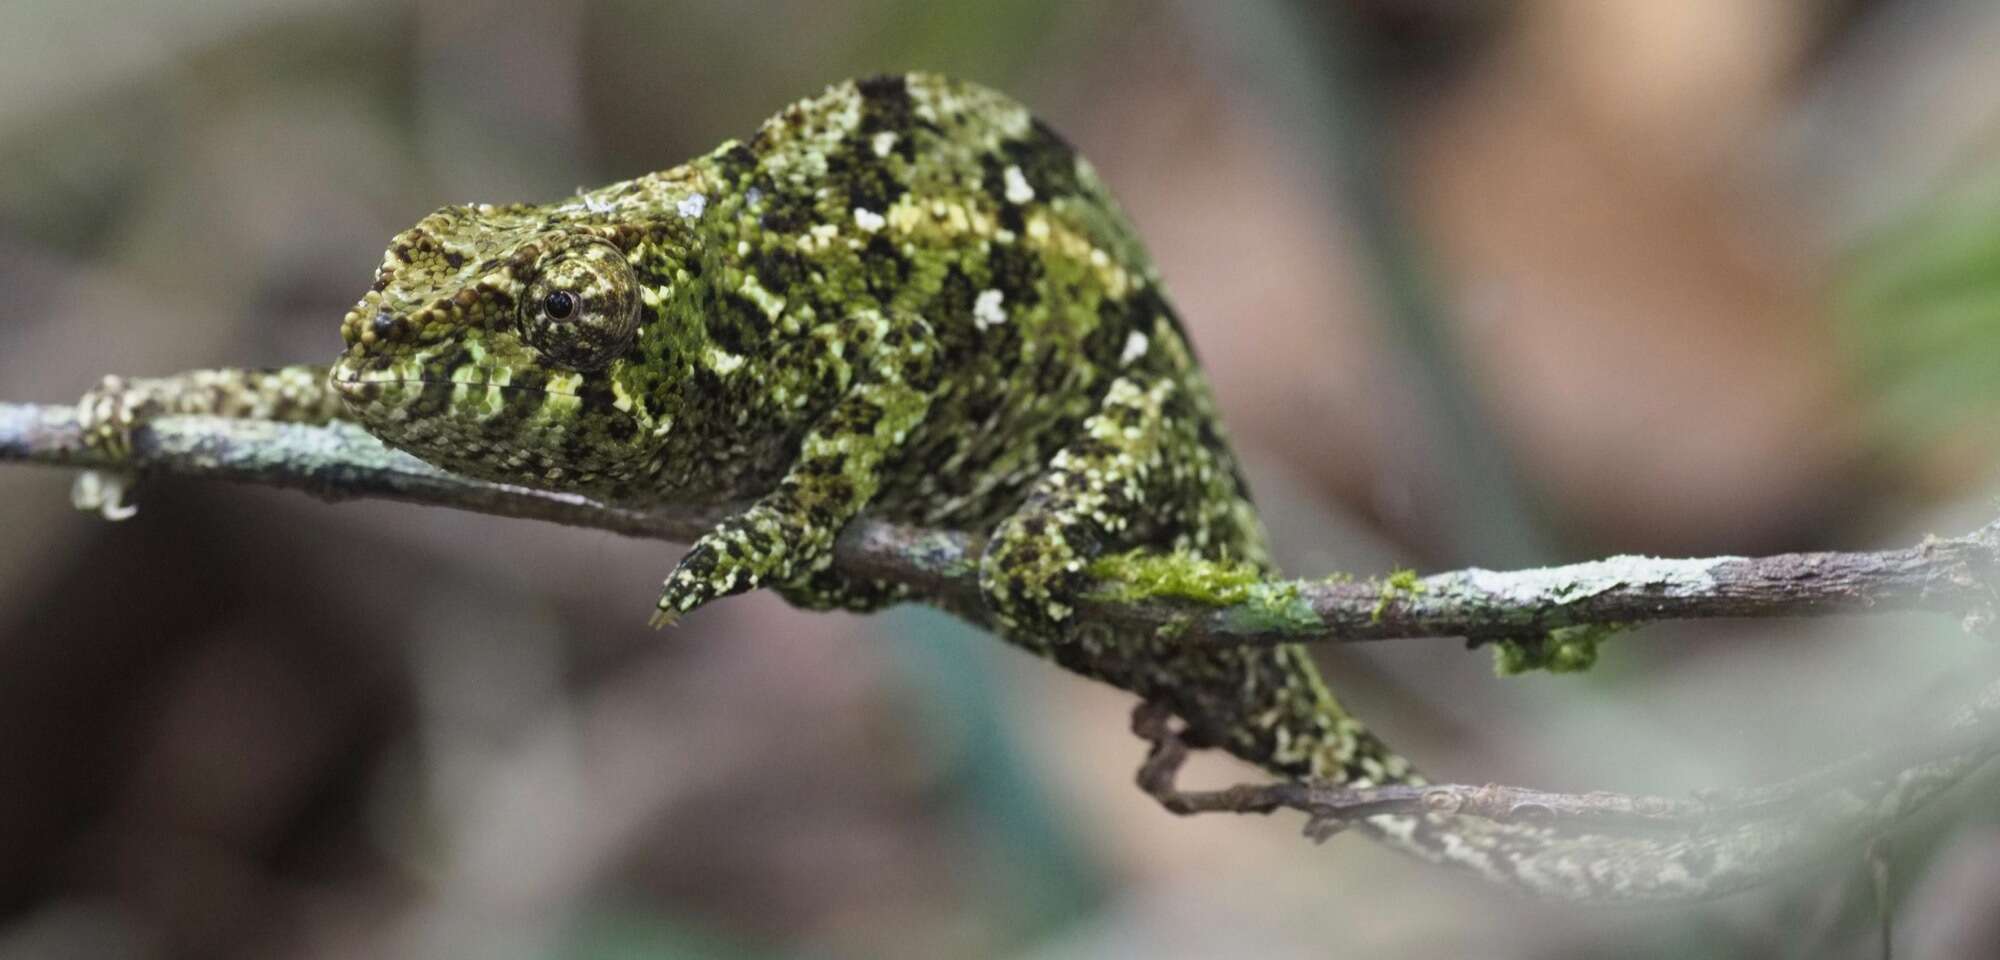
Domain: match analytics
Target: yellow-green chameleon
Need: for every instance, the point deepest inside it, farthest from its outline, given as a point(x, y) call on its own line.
point(908, 297)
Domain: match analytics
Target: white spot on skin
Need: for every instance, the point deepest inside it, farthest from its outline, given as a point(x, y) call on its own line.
point(986, 310)
point(692, 207)
point(1135, 347)
point(884, 142)
point(1018, 190)
point(868, 220)
point(722, 361)
point(769, 302)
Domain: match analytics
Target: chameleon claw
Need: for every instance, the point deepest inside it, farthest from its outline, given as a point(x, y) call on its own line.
point(103, 492)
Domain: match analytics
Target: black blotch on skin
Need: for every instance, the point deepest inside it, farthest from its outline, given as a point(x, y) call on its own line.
point(1016, 273)
point(884, 268)
point(868, 180)
point(993, 182)
point(950, 314)
point(736, 323)
point(1148, 305)
point(778, 268)
point(454, 259)
point(516, 405)
point(982, 406)
point(886, 107)
point(600, 402)
point(927, 378)
point(457, 357)
point(840, 491)
point(530, 379)
point(700, 563)
point(707, 383)
point(736, 163)
point(577, 447)
point(1011, 219)
point(1047, 162)
point(993, 179)
point(651, 273)
point(1106, 344)
point(783, 212)
point(432, 401)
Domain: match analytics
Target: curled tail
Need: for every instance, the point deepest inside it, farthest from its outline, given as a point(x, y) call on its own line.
point(1151, 471)
point(1268, 705)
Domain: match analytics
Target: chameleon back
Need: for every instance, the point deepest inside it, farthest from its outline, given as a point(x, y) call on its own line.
point(935, 198)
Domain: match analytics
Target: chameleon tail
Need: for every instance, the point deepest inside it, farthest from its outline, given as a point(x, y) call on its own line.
point(1268, 705)
point(1280, 716)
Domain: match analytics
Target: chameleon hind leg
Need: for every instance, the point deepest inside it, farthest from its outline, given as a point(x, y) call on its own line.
point(1137, 468)
point(1145, 473)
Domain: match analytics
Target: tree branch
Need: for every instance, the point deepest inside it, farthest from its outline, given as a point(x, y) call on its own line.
point(1849, 797)
point(1778, 824)
point(1951, 576)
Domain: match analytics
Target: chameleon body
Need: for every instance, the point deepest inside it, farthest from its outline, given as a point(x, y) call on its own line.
point(907, 297)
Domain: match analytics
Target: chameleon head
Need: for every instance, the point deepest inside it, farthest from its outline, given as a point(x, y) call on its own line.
point(490, 345)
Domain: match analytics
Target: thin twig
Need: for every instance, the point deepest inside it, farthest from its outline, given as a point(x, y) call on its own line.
point(1886, 782)
point(1762, 830)
point(1943, 575)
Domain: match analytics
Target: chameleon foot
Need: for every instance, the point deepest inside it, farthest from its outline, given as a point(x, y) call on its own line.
point(108, 415)
point(710, 571)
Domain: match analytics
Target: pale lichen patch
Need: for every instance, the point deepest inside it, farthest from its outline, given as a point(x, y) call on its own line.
point(987, 310)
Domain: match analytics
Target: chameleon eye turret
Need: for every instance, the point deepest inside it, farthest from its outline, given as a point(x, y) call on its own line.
point(582, 307)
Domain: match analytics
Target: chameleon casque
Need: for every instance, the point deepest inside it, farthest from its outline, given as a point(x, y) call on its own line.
point(906, 296)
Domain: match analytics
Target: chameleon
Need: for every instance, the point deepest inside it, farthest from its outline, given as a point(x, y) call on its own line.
point(909, 298)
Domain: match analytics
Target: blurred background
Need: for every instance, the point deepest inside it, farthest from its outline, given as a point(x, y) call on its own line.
point(1494, 283)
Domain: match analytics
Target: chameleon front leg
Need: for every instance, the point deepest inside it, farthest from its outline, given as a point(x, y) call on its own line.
point(297, 394)
point(831, 589)
point(786, 537)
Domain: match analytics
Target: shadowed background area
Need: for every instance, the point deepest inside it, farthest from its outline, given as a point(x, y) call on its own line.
point(1493, 283)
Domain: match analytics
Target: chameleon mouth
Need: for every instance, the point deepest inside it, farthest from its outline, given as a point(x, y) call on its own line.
point(361, 389)
point(363, 381)
point(482, 398)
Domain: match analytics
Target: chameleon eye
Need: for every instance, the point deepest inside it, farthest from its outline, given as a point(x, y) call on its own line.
point(559, 304)
point(582, 308)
